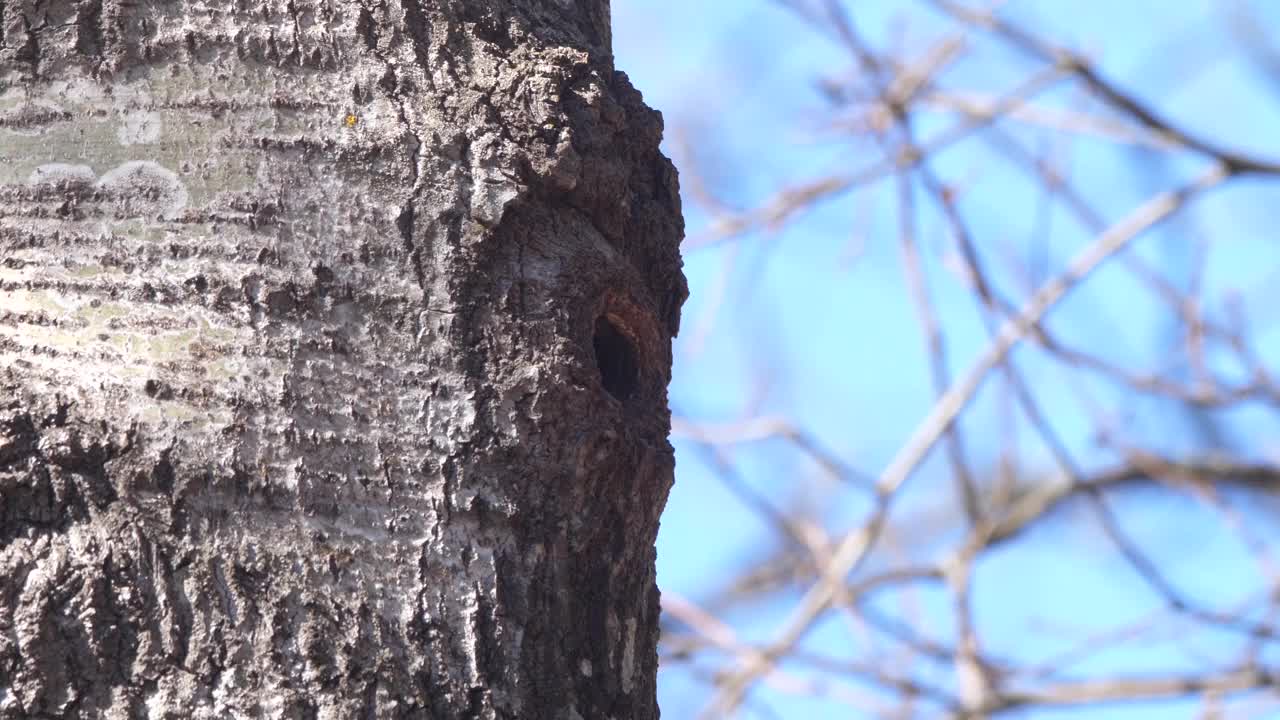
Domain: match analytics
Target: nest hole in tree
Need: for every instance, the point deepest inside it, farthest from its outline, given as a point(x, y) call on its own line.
point(616, 358)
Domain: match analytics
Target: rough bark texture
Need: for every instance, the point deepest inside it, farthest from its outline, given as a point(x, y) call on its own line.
point(334, 344)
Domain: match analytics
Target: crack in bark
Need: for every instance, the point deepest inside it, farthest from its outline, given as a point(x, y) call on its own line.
point(406, 220)
point(89, 35)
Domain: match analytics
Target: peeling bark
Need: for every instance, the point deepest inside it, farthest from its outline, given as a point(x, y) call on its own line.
point(334, 344)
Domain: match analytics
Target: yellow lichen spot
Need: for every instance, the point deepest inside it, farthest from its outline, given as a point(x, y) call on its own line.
point(351, 120)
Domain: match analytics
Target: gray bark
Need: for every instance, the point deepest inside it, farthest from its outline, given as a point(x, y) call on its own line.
point(334, 344)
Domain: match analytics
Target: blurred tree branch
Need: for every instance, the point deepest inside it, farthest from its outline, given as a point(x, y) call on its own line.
point(897, 105)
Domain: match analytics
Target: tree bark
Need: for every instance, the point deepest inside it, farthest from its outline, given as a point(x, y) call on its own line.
point(334, 344)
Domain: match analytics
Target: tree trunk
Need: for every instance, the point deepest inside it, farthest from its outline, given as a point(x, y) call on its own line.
point(334, 344)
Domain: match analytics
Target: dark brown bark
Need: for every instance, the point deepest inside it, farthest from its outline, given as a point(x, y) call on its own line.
point(334, 344)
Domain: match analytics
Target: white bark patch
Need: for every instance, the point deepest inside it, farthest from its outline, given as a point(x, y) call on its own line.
point(491, 189)
point(508, 411)
point(629, 656)
point(491, 195)
point(146, 189)
point(65, 174)
point(84, 92)
point(584, 666)
point(95, 353)
point(452, 418)
point(139, 128)
point(348, 529)
point(159, 702)
point(470, 636)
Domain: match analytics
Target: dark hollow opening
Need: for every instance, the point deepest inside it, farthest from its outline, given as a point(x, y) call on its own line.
point(616, 358)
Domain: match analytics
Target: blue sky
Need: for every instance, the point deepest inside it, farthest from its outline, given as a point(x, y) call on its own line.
point(815, 324)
